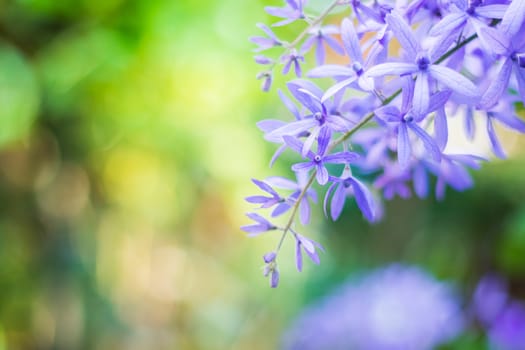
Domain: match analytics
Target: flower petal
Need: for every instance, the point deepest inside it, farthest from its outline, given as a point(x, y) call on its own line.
point(322, 175)
point(364, 199)
point(290, 129)
point(338, 202)
point(497, 86)
point(448, 24)
point(441, 129)
point(496, 146)
point(330, 70)
point(428, 141)
point(403, 33)
point(337, 87)
point(350, 41)
point(513, 18)
point(341, 157)
point(403, 145)
point(454, 81)
point(304, 211)
point(391, 68)
point(421, 95)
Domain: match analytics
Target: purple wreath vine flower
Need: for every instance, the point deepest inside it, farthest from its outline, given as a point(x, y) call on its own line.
point(262, 225)
point(317, 160)
point(347, 185)
point(297, 188)
point(423, 65)
point(345, 75)
point(321, 37)
point(309, 247)
point(397, 307)
point(265, 42)
point(292, 11)
point(323, 116)
point(456, 57)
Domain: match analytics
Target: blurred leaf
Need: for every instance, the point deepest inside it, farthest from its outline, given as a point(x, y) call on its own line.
point(75, 58)
point(19, 96)
point(512, 249)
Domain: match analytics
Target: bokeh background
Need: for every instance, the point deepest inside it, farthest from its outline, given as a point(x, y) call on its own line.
point(127, 144)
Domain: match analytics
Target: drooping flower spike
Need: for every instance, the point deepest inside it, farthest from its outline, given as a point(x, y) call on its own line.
point(384, 111)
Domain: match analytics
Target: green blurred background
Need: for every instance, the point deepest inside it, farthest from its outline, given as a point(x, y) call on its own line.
point(127, 141)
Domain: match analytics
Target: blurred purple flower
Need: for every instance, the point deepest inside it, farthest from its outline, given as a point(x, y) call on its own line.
point(503, 317)
point(397, 307)
point(270, 269)
point(265, 42)
point(489, 299)
point(508, 330)
point(292, 11)
point(261, 226)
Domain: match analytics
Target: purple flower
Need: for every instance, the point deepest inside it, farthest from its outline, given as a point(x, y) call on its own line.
point(344, 186)
point(267, 79)
point(513, 19)
point(261, 226)
point(393, 181)
point(514, 53)
point(321, 36)
point(423, 66)
point(508, 330)
point(292, 11)
point(263, 60)
point(297, 188)
point(471, 12)
point(503, 317)
point(505, 114)
point(394, 308)
point(268, 202)
point(309, 246)
point(292, 58)
point(455, 56)
point(319, 159)
point(323, 116)
point(270, 269)
point(346, 75)
point(269, 126)
point(267, 42)
point(452, 171)
point(489, 298)
point(407, 119)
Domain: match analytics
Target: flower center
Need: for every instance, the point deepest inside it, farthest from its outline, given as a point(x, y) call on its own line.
point(319, 117)
point(358, 68)
point(423, 61)
point(408, 118)
point(519, 58)
point(347, 183)
point(472, 4)
point(317, 158)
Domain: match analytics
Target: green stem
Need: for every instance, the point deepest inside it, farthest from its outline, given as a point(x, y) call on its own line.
point(294, 209)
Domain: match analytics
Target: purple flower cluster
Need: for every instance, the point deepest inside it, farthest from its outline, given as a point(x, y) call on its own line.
point(411, 65)
point(397, 307)
point(502, 316)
